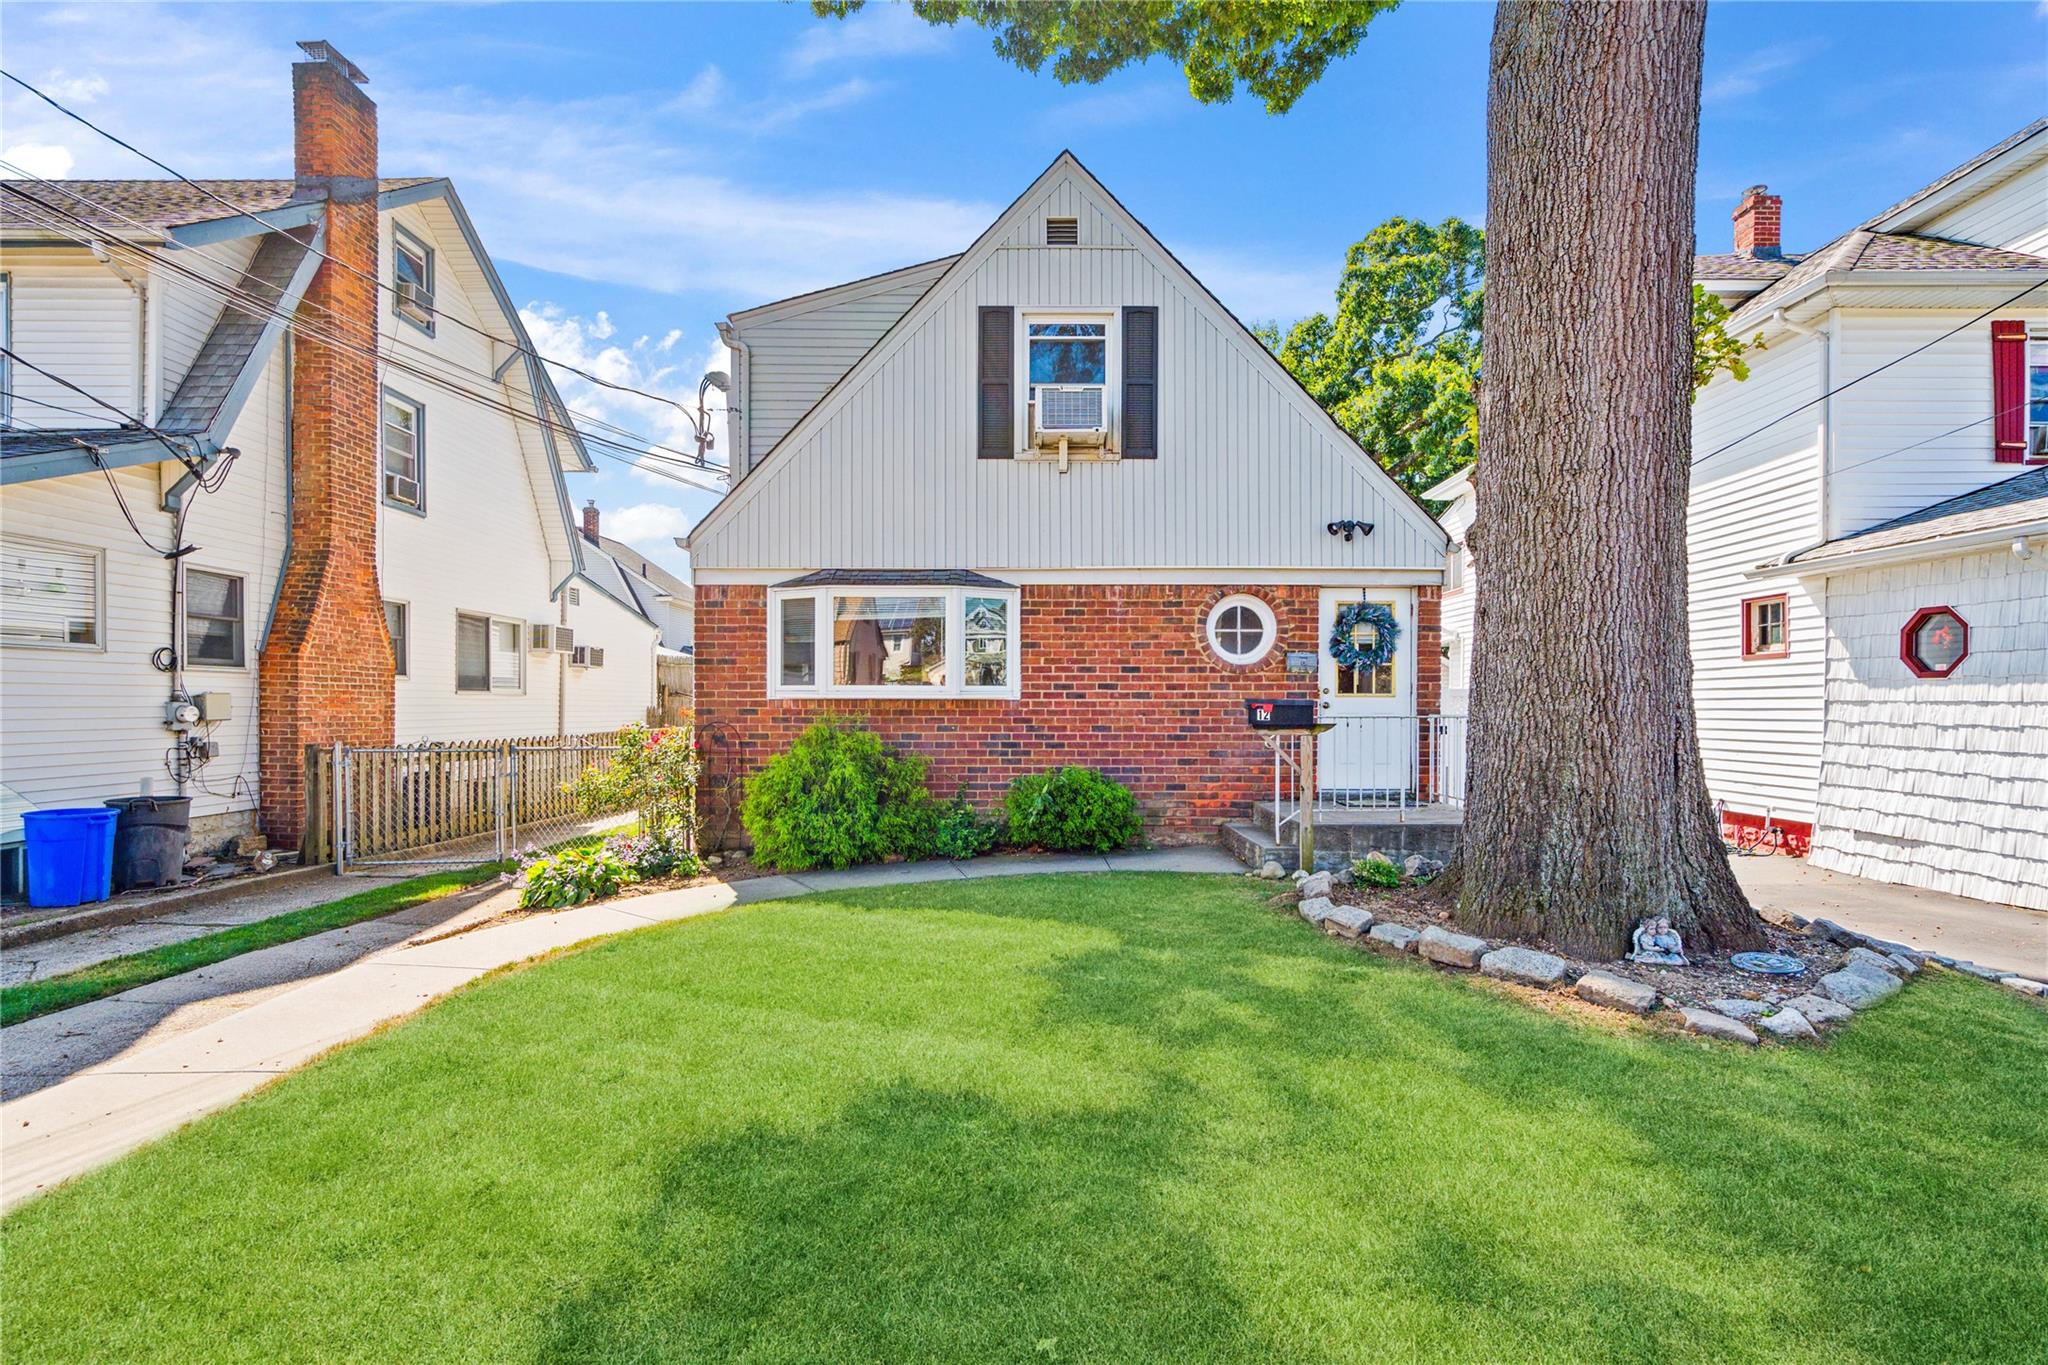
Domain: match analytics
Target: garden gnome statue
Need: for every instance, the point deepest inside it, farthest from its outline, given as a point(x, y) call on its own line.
point(1657, 942)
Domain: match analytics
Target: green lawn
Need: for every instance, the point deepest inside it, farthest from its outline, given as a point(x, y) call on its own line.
point(1090, 1118)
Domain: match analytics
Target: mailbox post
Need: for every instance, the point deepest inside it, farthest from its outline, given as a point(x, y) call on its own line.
point(1276, 721)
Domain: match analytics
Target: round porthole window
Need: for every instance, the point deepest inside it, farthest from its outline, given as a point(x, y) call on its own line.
point(1242, 629)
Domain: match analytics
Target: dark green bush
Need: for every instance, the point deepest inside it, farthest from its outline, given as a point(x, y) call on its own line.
point(1071, 809)
point(836, 797)
point(959, 831)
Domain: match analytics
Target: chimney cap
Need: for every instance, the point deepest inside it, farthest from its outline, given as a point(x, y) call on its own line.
point(1754, 190)
point(592, 503)
point(320, 50)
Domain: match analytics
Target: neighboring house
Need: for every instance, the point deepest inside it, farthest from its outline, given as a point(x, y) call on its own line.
point(1839, 500)
point(672, 605)
point(1049, 502)
point(382, 544)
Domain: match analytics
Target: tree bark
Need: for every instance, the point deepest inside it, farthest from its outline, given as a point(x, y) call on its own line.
point(1589, 806)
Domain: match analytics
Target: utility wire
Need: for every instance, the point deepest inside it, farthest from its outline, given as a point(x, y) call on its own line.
point(252, 305)
point(344, 265)
point(1851, 383)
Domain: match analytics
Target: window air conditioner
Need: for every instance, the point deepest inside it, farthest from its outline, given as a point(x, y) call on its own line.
point(540, 637)
point(596, 656)
point(398, 488)
point(565, 639)
point(579, 657)
point(415, 302)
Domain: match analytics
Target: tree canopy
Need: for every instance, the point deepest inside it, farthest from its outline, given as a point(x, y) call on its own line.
point(1397, 362)
point(1275, 49)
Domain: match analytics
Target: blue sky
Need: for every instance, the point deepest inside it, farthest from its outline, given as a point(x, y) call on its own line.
point(638, 171)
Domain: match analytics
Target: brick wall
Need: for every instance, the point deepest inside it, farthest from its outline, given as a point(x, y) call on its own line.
point(1116, 677)
point(326, 672)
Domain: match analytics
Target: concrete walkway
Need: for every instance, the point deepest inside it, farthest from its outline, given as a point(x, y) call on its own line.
point(2002, 936)
point(100, 1080)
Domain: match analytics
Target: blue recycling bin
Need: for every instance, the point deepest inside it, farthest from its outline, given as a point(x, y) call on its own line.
point(70, 855)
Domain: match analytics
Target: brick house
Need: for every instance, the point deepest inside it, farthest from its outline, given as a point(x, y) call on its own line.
point(319, 389)
point(1045, 502)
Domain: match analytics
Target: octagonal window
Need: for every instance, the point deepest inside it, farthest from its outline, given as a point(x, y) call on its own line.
point(1935, 642)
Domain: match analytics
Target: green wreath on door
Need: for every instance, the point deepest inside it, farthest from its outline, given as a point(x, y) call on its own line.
point(1344, 645)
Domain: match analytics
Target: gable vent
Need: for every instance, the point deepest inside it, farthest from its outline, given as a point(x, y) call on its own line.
point(1062, 232)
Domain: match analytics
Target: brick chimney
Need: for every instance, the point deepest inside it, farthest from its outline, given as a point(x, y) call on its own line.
point(590, 521)
point(326, 668)
point(1756, 224)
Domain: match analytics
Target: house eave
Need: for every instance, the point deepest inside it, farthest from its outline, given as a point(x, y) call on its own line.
point(1935, 547)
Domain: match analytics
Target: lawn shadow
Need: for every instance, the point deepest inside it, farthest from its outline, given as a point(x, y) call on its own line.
point(913, 1225)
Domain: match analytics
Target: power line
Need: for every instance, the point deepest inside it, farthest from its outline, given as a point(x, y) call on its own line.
point(251, 305)
point(255, 306)
point(1851, 383)
point(240, 211)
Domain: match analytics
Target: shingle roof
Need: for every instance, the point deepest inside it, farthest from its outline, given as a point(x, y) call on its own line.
point(2013, 502)
point(233, 341)
point(159, 205)
point(1862, 249)
point(635, 562)
point(891, 578)
point(1734, 265)
point(15, 441)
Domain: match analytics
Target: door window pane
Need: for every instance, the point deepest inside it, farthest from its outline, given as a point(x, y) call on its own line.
point(988, 641)
point(472, 654)
point(889, 641)
point(799, 641)
point(1368, 682)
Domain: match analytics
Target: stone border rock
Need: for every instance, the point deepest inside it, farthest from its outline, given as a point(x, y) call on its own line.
point(1872, 972)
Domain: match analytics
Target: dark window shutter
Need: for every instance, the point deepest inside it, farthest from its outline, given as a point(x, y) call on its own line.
point(2009, 392)
point(1141, 383)
point(995, 405)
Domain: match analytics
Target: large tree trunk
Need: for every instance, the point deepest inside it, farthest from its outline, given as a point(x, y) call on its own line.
point(1588, 803)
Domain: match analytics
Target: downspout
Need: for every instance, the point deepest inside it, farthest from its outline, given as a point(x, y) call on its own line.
point(1819, 591)
point(741, 457)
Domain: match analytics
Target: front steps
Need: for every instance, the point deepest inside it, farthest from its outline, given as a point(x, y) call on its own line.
point(1342, 836)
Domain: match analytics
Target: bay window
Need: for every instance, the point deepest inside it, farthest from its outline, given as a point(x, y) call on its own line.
point(893, 640)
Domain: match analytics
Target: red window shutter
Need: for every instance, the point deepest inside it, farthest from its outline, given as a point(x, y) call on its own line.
point(2009, 392)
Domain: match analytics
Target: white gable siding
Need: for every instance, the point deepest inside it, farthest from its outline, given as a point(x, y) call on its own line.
point(187, 310)
point(884, 474)
point(1918, 402)
point(1940, 782)
point(1458, 605)
point(78, 726)
point(795, 356)
point(2012, 213)
point(73, 317)
point(1759, 719)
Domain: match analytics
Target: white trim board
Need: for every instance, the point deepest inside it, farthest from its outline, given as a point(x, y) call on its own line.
point(1205, 577)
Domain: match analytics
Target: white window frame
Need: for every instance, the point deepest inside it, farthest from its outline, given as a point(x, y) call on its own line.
point(192, 660)
point(2037, 432)
point(955, 687)
point(98, 559)
point(419, 452)
point(412, 245)
point(492, 622)
point(405, 618)
point(1112, 363)
point(1259, 608)
point(7, 340)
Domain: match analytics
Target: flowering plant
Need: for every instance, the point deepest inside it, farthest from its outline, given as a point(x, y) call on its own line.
point(654, 772)
point(654, 854)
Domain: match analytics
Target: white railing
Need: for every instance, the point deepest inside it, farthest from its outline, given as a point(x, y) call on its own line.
point(1376, 763)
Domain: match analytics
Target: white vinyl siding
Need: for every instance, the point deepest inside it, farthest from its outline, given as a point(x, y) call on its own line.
point(796, 352)
point(2009, 213)
point(187, 310)
point(1249, 470)
point(1940, 782)
point(73, 317)
point(1759, 719)
point(1920, 402)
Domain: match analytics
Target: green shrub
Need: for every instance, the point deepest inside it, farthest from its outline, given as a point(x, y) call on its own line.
point(836, 797)
point(959, 831)
point(1371, 871)
point(572, 877)
point(655, 773)
point(1071, 809)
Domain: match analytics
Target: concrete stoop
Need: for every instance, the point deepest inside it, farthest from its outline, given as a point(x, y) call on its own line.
point(1346, 835)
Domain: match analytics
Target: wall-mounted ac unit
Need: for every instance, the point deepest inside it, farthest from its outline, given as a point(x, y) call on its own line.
point(415, 302)
point(540, 637)
point(398, 488)
point(565, 639)
point(596, 657)
point(579, 657)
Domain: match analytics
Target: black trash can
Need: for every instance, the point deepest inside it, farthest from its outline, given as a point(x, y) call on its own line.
point(149, 840)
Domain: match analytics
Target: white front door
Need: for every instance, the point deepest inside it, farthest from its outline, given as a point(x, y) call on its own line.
point(1368, 754)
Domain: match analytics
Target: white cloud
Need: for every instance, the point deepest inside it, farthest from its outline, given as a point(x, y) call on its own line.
point(39, 159)
point(1761, 68)
point(650, 525)
point(653, 366)
point(877, 32)
point(1263, 289)
point(76, 89)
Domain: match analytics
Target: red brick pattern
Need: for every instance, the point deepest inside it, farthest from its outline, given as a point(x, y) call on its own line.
point(1116, 677)
point(326, 672)
point(1757, 229)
